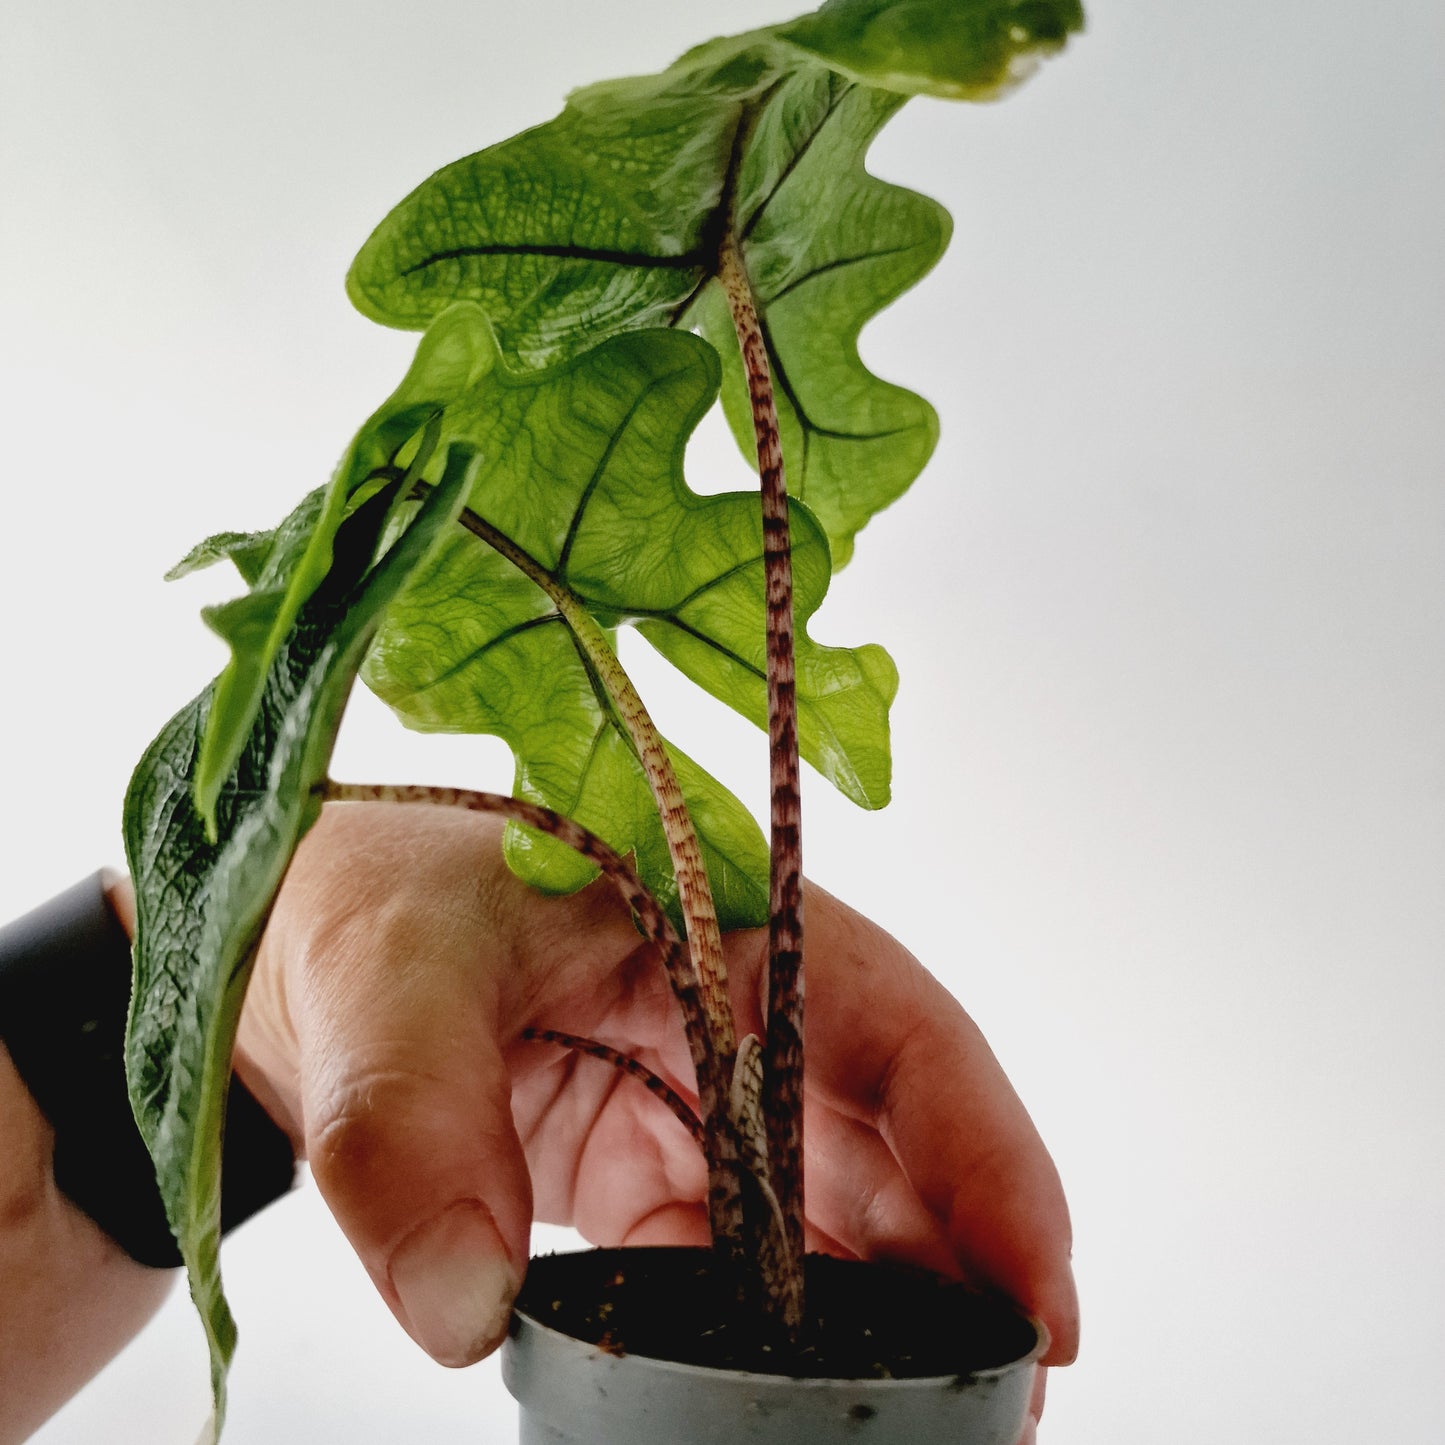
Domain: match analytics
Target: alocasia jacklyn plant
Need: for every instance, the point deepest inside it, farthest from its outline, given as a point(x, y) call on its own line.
point(587, 290)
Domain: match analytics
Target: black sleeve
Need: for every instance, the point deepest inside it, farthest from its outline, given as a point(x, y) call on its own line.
point(64, 993)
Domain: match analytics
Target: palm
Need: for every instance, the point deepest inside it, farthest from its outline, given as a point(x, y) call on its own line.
point(609, 1158)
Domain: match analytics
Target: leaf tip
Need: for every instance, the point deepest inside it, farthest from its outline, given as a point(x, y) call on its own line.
point(975, 50)
point(360, 293)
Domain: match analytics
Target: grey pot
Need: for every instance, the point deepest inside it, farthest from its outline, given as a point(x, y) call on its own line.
point(574, 1393)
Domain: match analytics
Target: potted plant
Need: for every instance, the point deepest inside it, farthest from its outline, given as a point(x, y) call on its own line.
point(586, 290)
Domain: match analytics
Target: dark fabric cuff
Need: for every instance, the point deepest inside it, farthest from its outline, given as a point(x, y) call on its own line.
point(64, 994)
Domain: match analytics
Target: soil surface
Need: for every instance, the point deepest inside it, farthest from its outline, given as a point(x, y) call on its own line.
point(864, 1321)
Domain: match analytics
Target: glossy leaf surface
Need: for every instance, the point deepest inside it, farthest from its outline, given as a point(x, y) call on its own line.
point(826, 246)
point(201, 902)
point(609, 218)
point(582, 471)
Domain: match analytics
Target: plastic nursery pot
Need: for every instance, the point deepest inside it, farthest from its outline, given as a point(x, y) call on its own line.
point(637, 1347)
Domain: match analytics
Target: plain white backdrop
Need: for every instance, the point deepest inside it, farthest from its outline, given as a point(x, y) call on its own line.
point(1168, 607)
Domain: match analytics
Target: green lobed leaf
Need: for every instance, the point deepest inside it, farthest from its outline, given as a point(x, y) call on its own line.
point(254, 626)
point(202, 901)
point(826, 246)
point(582, 470)
point(609, 218)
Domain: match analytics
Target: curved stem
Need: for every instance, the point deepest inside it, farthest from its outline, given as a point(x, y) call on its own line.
point(703, 935)
point(783, 1071)
point(655, 1084)
point(713, 1076)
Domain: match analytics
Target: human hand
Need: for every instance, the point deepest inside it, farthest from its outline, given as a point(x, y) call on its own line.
point(384, 1031)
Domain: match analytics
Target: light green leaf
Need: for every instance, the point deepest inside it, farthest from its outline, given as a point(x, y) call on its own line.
point(826, 246)
point(476, 647)
point(202, 901)
point(610, 218)
point(582, 471)
point(248, 550)
point(254, 626)
point(957, 49)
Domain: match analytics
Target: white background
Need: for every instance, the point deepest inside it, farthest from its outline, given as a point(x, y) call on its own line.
point(1168, 607)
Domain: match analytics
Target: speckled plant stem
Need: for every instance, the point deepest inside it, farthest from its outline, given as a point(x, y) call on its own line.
point(694, 893)
point(655, 1084)
point(783, 1067)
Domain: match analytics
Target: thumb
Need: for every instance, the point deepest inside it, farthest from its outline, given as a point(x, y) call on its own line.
point(406, 1114)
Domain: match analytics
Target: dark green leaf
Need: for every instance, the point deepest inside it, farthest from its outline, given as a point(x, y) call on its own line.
point(254, 626)
point(202, 902)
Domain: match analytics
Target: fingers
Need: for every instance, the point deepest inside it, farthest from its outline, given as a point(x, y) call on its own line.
point(1036, 1408)
point(1036, 1404)
point(891, 1048)
point(404, 1098)
point(857, 1192)
point(605, 1155)
point(413, 1149)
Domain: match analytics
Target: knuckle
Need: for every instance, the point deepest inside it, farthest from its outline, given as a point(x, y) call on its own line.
point(360, 1121)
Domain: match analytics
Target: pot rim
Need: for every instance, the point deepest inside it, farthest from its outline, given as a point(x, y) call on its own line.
point(756, 1379)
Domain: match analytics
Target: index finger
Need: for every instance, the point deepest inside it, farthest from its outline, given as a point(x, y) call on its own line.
point(888, 1045)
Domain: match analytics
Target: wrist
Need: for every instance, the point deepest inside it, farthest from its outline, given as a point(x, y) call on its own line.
point(70, 1297)
point(120, 895)
point(64, 994)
